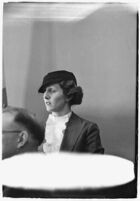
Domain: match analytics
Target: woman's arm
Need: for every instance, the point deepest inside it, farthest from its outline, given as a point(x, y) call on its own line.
point(93, 141)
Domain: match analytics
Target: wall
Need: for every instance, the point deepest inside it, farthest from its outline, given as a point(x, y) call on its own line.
point(100, 50)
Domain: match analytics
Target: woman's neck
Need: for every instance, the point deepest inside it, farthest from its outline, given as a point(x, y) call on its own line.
point(62, 112)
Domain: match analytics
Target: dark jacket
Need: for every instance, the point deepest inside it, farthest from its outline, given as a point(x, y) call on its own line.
point(81, 136)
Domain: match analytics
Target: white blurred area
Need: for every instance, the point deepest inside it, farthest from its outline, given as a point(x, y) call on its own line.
point(65, 171)
point(49, 11)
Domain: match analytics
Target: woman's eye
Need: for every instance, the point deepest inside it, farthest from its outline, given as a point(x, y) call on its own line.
point(52, 91)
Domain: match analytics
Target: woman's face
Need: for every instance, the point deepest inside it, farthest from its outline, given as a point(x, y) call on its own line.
point(54, 98)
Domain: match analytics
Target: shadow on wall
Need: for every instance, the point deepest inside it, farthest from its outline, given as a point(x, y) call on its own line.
point(117, 133)
point(40, 63)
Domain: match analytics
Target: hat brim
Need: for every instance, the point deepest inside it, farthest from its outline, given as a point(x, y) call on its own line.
point(42, 89)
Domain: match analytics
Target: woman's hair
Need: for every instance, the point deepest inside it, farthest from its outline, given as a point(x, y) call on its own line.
point(71, 91)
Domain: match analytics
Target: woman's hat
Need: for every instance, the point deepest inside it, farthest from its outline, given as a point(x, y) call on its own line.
point(56, 77)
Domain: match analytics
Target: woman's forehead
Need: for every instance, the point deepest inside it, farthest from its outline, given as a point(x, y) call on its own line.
point(56, 85)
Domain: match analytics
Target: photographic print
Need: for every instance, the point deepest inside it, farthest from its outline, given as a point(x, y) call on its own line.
point(70, 100)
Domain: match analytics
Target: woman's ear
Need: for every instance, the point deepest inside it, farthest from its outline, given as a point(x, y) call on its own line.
point(68, 99)
point(22, 139)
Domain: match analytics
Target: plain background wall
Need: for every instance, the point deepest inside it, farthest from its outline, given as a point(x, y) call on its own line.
point(100, 50)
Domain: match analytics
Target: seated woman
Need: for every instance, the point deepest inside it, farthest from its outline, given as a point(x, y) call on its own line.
point(65, 131)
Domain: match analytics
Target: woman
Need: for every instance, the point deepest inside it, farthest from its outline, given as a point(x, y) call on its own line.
point(65, 131)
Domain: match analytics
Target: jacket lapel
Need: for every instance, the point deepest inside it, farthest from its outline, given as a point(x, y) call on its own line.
point(71, 133)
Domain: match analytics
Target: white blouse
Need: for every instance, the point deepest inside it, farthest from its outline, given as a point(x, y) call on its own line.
point(54, 132)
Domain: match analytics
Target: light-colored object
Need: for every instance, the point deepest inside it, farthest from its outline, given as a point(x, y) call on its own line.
point(65, 171)
point(54, 131)
point(49, 12)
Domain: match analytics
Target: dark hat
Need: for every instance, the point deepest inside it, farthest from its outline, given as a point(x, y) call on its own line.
point(55, 77)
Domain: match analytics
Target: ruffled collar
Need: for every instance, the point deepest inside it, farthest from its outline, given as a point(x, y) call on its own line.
point(57, 119)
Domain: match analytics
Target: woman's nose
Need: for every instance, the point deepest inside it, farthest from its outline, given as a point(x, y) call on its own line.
point(47, 96)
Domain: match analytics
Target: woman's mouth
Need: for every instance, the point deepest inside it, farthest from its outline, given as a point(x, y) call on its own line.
point(48, 103)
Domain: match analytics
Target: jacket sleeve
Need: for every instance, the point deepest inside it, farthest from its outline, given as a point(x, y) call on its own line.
point(93, 141)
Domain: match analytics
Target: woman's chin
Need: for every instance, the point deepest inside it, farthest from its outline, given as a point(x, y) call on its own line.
point(48, 109)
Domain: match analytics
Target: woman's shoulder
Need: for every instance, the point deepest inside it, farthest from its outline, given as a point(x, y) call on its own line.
point(84, 120)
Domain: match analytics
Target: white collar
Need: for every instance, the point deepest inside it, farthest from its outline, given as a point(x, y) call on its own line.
point(63, 118)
